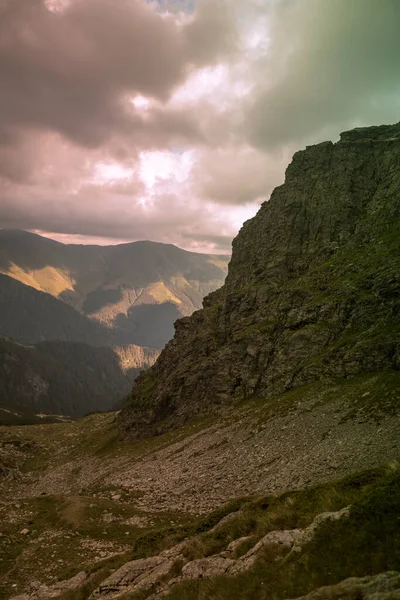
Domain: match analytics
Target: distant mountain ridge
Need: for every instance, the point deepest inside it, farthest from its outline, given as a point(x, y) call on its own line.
point(82, 321)
point(30, 316)
point(137, 289)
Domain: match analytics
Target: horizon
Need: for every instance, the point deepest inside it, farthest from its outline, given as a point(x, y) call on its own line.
point(117, 243)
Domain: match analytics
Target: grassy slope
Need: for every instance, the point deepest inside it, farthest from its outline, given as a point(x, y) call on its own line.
point(365, 544)
point(68, 532)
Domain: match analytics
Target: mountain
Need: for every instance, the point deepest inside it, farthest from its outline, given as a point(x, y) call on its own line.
point(74, 366)
point(64, 378)
point(291, 489)
point(137, 290)
point(123, 300)
point(312, 293)
point(29, 316)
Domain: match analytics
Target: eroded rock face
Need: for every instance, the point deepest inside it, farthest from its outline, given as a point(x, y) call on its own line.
point(312, 291)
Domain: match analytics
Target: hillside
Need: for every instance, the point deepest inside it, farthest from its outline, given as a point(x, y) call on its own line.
point(84, 513)
point(64, 378)
point(30, 316)
point(312, 293)
point(137, 289)
point(121, 299)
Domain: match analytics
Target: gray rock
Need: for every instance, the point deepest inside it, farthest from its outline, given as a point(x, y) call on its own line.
point(299, 304)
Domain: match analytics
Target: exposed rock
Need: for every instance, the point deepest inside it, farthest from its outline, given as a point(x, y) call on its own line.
point(139, 574)
point(134, 576)
point(308, 533)
point(206, 567)
point(286, 539)
point(147, 573)
point(44, 592)
point(312, 291)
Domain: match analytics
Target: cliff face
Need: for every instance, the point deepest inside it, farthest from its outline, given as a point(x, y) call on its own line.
point(313, 290)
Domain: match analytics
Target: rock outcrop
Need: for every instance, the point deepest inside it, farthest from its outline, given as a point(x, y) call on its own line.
point(312, 291)
point(156, 572)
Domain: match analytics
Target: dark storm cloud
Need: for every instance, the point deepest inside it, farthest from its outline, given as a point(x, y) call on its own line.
point(72, 71)
point(311, 69)
point(330, 65)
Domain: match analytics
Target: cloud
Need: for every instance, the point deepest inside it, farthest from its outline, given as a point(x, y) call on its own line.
point(73, 71)
point(330, 65)
point(119, 121)
point(107, 201)
point(237, 175)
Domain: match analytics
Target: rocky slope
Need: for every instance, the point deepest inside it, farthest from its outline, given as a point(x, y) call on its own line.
point(138, 290)
point(61, 378)
point(81, 509)
point(312, 291)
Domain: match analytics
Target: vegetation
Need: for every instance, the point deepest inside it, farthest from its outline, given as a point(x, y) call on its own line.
point(366, 543)
point(59, 378)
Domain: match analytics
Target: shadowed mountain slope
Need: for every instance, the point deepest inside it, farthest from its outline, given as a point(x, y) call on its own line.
point(64, 378)
point(29, 316)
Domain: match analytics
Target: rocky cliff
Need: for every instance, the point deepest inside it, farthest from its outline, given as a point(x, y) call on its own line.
point(313, 291)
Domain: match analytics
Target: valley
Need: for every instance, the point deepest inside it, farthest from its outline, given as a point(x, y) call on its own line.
point(199, 300)
point(79, 323)
point(259, 456)
point(79, 499)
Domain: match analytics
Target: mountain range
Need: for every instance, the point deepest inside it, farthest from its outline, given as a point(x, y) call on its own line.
point(135, 290)
point(121, 299)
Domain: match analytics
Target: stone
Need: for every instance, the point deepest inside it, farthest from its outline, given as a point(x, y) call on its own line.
point(206, 567)
point(134, 576)
point(307, 534)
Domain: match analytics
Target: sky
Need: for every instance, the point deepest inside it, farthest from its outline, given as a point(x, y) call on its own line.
point(172, 120)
